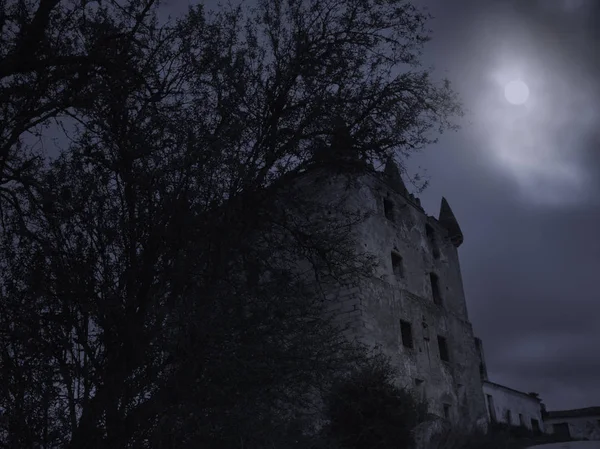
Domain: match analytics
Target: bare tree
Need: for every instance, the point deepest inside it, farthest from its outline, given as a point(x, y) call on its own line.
point(160, 279)
point(51, 53)
point(288, 70)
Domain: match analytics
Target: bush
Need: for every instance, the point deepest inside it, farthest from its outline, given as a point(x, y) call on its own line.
point(365, 409)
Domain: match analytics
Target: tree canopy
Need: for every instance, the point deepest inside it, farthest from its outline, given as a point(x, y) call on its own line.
point(148, 289)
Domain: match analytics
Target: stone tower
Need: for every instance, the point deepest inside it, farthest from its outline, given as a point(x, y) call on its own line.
point(414, 308)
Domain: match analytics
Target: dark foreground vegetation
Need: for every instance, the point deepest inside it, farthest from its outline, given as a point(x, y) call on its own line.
point(150, 243)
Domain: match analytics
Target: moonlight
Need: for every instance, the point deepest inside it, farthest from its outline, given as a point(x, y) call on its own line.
point(516, 92)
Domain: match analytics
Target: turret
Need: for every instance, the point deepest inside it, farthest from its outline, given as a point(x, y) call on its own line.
point(393, 176)
point(448, 221)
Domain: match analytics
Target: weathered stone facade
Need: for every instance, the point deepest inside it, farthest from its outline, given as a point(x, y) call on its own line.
point(414, 307)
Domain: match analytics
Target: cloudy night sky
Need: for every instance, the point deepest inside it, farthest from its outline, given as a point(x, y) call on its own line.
point(523, 181)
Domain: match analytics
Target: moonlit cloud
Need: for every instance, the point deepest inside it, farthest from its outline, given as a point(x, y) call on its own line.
point(538, 143)
point(524, 182)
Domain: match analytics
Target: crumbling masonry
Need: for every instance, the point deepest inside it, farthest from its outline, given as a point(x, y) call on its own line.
point(414, 307)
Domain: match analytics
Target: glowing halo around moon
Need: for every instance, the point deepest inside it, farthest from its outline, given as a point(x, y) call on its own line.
point(516, 92)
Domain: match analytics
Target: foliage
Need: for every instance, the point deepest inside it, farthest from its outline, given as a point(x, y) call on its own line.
point(150, 285)
point(366, 409)
point(53, 55)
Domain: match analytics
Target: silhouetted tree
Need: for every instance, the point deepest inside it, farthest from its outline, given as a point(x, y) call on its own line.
point(52, 52)
point(161, 279)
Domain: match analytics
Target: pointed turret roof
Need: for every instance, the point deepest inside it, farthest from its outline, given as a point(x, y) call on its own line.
point(392, 173)
point(448, 220)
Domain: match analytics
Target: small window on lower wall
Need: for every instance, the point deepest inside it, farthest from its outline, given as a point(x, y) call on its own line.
point(435, 289)
point(521, 420)
point(388, 209)
point(443, 347)
point(397, 265)
point(406, 334)
point(447, 411)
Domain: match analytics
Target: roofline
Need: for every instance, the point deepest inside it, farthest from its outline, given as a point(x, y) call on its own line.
point(512, 390)
point(412, 201)
point(574, 413)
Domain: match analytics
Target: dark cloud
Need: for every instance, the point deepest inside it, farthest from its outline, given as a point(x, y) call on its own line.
point(531, 255)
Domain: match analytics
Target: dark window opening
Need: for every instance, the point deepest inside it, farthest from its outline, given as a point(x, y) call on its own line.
point(447, 411)
point(491, 408)
point(429, 232)
point(521, 420)
point(397, 265)
point(481, 371)
point(443, 346)
point(508, 417)
point(406, 333)
point(388, 209)
point(435, 289)
point(432, 242)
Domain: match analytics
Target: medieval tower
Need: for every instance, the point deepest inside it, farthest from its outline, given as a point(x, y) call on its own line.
point(414, 306)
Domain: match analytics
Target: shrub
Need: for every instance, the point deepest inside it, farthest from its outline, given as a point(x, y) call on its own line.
point(365, 409)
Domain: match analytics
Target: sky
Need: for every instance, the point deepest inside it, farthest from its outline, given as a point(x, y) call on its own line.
point(524, 183)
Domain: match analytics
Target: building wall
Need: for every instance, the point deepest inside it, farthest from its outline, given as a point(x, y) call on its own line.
point(377, 306)
point(504, 403)
point(583, 427)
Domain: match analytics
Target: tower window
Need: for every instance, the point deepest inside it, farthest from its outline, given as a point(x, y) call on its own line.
point(397, 265)
point(443, 347)
point(447, 411)
point(432, 243)
point(388, 209)
point(406, 333)
point(435, 289)
point(429, 232)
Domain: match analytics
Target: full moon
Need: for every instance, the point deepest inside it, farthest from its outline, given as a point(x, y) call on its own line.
point(516, 92)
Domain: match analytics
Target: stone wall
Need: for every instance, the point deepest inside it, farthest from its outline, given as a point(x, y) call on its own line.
point(400, 300)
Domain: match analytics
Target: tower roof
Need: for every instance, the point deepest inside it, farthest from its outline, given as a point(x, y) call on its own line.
point(392, 173)
point(448, 220)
